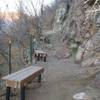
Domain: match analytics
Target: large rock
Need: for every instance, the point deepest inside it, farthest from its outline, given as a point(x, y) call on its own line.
point(76, 27)
point(62, 52)
point(92, 61)
point(97, 62)
point(89, 49)
point(87, 72)
point(60, 16)
point(79, 54)
point(97, 19)
point(88, 62)
point(82, 96)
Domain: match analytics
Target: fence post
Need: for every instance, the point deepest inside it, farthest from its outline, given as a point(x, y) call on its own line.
point(31, 48)
point(10, 57)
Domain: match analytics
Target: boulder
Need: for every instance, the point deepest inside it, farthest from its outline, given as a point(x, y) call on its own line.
point(97, 19)
point(88, 62)
point(79, 54)
point(60, 16)
point(88, 50)
point(49, 46)
point(82, 96)
point(97, 62)
point(88, 72)
point(62, 52)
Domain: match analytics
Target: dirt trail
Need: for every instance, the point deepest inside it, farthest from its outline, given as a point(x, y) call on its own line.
point(58, 81)
point(56, 84)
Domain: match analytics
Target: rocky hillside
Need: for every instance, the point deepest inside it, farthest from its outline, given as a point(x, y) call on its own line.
point(78, 22)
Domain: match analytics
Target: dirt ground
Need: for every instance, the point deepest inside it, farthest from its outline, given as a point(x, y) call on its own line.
point(59, 81)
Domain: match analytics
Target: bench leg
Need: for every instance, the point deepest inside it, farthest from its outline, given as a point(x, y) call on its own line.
point(38, 57)
point(35, 58)
point(8, 89)
point(22, 93)
point(39, 78)
point(45, 59)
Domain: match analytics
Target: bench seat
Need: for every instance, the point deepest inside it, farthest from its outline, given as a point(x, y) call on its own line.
point(21, 78)
point(39, 54)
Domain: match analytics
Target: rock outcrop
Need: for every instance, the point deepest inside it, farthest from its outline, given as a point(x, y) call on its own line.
point(80, 28)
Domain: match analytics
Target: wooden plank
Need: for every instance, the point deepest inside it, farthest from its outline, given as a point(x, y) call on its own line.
point(22, 77)
point(40, 51)
point(14, 74)
point(23, 74)
point(34, 74)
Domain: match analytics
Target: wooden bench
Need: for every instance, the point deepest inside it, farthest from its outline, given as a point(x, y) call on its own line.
point(39, 54)
point(21, 78)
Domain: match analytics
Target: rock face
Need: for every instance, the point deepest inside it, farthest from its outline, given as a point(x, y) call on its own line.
point(81, 28)
point(61, 15)
point(97, 19)
point(90, 51)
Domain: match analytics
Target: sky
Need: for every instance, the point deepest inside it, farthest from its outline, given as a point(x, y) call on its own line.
point(10, 5)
